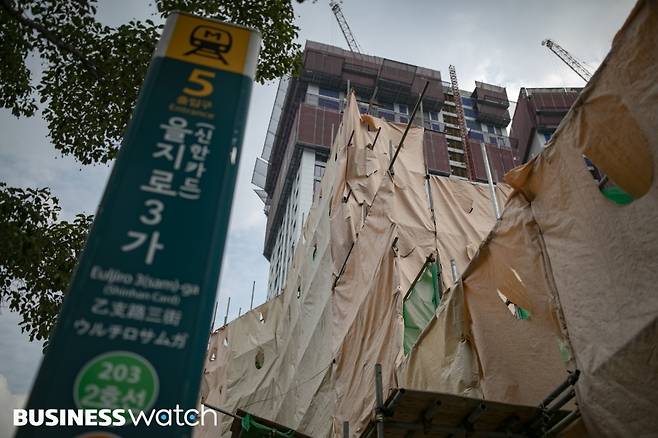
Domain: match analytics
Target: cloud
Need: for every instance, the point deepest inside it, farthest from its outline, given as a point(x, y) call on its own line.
point(8, 402)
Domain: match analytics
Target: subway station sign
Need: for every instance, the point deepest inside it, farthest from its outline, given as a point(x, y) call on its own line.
point(134, 326)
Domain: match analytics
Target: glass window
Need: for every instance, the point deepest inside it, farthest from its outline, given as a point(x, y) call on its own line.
point(455, 144)
point(497, 130)
point(404, 119)
point(470, 113)
point(388, 106)
point(329, 103)
point(458, 171)
point(453, 131)
point(436, 127)
point(403, 109)
point(329, 93)
point(473, 125)
point(493, 140)
point(434, 115)
point(387, 116)
point(467, 101)
point(319, 171)
point(476, 135)
point(312, 99)
point(456, 156)
point(450, 119)
point(548, 134)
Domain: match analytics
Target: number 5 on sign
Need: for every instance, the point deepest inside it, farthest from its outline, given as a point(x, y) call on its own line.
point(200, 78)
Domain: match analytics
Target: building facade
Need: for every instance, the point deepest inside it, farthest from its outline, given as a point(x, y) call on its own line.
point(307, 114)
point(538, 113)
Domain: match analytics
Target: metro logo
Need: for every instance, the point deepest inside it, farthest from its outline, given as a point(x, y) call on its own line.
point(210, 42)
point(217, 45)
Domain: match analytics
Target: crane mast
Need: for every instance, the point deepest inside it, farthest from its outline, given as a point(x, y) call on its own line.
point(566, 57)
point(344, 27)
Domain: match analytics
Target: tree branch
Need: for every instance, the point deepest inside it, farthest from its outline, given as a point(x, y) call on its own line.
point(48, 35)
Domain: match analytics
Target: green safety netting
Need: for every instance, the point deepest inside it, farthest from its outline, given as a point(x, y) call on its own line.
point(253, 429)
point(521, 313)
point(617, 194)
point(420, 305)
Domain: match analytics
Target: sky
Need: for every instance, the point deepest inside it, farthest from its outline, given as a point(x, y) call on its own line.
point(493, 41)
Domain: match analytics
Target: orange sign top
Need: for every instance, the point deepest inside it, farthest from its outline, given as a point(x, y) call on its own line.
point(210, 43)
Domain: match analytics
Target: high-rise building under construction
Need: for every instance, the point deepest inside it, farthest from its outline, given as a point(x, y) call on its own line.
point(306, 116)
point(409, 308)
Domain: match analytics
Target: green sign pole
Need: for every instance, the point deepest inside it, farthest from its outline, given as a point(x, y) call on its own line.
point(133, 330)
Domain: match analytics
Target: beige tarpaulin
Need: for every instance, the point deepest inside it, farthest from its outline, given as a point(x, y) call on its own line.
point(604, 256)
point(562, 260)
point(394, 235)
point(561, 239)
point(306, 359)
point(478, 346)
point(275, 361)
point(520, 358)
point(464, 216)
point(443, 359)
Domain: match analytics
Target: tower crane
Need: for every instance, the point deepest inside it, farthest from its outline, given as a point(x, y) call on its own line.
point(566, 57)
point(344, 27)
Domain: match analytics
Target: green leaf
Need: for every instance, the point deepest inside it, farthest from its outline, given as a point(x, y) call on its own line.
point(86, 116)
point(38, 256)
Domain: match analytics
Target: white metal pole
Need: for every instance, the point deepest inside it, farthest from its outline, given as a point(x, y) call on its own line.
point(227, 307)
point(453, 269)
point(492, 188)
point(332, 137)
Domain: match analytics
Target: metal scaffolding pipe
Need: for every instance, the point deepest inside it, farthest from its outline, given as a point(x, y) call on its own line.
point(453, 269)
point(561, 401)
point(379, 395)
point(390, 407)
point(332, 136)
point(562, 424)
point(374, 142)
point(569, 381)
point(349, 142)
point(492, 187)
point(406, 130)
point(428, 260)
point(253, 288)
point(214, 316)
point(222, 411)
point(227, 307)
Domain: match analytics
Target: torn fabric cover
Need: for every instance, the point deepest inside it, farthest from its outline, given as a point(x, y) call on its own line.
point(306, 359)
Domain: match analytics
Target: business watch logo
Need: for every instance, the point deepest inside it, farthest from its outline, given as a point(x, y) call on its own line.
point(210, 42)
point(115, 417)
